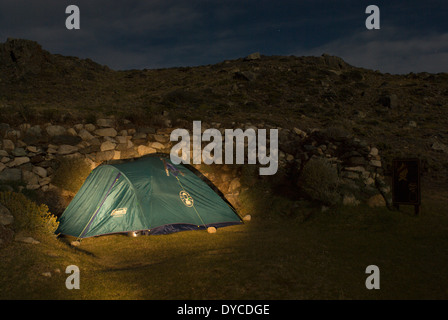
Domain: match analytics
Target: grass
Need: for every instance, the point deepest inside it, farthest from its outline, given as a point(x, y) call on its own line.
point(270, 257)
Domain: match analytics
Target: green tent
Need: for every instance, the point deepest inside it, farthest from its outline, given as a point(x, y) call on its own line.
point(151, 195)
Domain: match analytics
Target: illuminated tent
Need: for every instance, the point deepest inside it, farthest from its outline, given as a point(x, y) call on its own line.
point(151, 195)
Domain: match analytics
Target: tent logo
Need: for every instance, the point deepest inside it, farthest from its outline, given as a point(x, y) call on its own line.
point(119, 212)
point(186, 198)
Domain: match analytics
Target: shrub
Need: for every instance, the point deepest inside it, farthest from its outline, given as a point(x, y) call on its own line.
point(28, 215)
point(320, 181)
point(71, 174)
point(256, 199)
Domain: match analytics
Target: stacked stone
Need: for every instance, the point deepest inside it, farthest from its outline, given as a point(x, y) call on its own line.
point(30, 153)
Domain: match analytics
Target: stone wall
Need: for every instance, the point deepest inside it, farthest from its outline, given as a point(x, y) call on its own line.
point(30, 153)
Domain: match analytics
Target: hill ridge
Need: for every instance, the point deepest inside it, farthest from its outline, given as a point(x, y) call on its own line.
point(405, 115)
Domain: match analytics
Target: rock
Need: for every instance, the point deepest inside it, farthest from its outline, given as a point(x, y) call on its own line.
point(11, 175)
point(369, 181)
point(32, 186)
point(247, 217)
point(121, 139)
point(211, 230)
point(75, 243)
point(34, 131)
point(373, 152)
point(18, 152)
point(299, 132)
point(32, 149)
point(108, 145)
point(52, 149)
point(23, 57)
point(71, 132)
point(46, 274)
point(28, 240)
point(375, 163)
point(253, 56)
point(106, 132)
point(105, 123)
point(30, 178)
point(124, 146)
point(90, 127)
point(350, 175)
point(157, 145)
point(140, 136)
point(44, 181)
point(333, 61)
point(18, 161)
point(128, 153)
point(439, 146)
point(161, 138)
point(117, 155)
point(67, 149)
point(55, 130)
point(144, 150)
point(2, 166)
point(95, 142)
point(13, 134)
point(24, 127)
point(376, 201)
point(104, 155)
point(349, 200)
point(6, 218)
point(8, 145)
point(41, 172)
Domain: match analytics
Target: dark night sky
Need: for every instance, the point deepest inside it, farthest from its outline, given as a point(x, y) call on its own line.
point(168, 33)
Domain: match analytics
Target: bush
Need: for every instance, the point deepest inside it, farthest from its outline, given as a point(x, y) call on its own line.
point(320, 181)
point(71, 174)
point(28, 215)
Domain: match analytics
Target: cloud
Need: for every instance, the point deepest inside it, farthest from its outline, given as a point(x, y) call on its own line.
point(167, 33)
point(396, 50)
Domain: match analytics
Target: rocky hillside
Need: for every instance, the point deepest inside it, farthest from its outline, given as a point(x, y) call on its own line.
point(401, 115)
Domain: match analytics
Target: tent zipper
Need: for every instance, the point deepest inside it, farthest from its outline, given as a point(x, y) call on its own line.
point(86, 228)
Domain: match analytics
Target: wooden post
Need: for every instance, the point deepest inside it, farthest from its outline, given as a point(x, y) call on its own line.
point(406, 183)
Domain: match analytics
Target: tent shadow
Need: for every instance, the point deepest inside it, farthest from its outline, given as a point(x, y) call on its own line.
point(67, 240)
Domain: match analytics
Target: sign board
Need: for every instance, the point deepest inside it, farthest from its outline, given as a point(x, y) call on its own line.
point(406, 181)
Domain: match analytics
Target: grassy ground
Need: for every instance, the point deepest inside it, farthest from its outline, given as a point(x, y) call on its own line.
point(269, 257)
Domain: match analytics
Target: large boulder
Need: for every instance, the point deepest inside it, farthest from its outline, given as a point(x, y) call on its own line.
point(22, 57)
